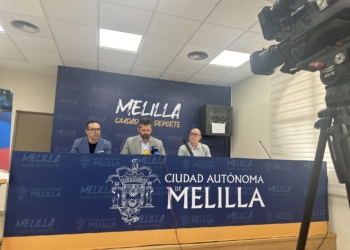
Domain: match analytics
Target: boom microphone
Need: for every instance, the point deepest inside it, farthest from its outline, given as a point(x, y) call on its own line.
point(188, 148)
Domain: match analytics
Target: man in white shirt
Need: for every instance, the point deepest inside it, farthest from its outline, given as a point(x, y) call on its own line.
point(197, 148)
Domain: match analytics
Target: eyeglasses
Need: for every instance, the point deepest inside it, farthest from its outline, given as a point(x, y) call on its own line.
point(195, 135)
point(94, 130)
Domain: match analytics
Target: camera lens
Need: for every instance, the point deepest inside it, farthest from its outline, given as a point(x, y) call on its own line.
point(264, 62)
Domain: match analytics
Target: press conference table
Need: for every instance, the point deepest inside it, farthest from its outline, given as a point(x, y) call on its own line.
point(86, 201)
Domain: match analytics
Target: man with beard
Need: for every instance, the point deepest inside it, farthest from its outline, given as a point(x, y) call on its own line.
point(142, 143)
point(93, 143)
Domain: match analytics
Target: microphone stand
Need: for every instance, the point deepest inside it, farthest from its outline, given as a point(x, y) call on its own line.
point(188, 147)
point(265, 150)
point(122, 145)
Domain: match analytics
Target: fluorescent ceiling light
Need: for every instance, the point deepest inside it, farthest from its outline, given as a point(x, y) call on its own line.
point(230, 59)
point(119, 40)
point(1, 29)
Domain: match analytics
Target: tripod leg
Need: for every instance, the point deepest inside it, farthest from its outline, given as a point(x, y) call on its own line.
point(323, 124)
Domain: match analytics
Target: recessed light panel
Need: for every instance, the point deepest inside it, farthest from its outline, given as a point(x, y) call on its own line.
point(25, 26)
point(119, 40)
point(230, 59)
point(197, 55)
point(1, 29)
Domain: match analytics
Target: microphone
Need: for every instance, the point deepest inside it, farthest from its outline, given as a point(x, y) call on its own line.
point(122, 145)
point(154, 150)
point(188, 148)
point(265, 150)
point(146, 152)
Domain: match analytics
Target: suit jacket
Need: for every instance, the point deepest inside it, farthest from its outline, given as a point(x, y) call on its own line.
point(203, 150)
point(81, 145)
point(133, 145)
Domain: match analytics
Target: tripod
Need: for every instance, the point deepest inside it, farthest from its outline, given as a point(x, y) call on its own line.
point(334, 69)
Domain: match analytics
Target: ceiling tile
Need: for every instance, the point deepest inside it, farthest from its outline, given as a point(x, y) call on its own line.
point(242, 73)
point(79, 63)
point(203, 79)
point(150, 73)
point(256, 42)
point(215, 36)
point(233, 13)
point(117, 17)
point(77, 50)
point(215, 71)
point(40, 58)
point(35, 44)
point(184, 67)
point(212, 53)
point(12, 55)
point(171, 28)
point(144, 4)
point(173, 76)
point(152, 62)
point(24, 7)
point(24, 66)
point(73, 26)
point(191, 9)
point(82, 12)
point(162, 48)
point(6, 19)
point(116, 56)
point(74, 33)
point(256, 28)
point(5, 42)
point(114, 68)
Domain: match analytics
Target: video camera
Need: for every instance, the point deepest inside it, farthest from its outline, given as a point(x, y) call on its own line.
point(314, 35)
point(305, 30)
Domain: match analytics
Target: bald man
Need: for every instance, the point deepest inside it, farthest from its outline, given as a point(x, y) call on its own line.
point(197, 148)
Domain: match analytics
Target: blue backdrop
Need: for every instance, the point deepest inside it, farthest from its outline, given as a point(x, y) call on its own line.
point(119, 101)
point(52, 193)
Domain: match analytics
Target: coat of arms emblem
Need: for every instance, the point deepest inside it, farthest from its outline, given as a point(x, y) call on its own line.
point(133, 190)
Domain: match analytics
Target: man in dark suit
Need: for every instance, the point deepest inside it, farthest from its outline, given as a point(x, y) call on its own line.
point(142, 143)
point(93, 143)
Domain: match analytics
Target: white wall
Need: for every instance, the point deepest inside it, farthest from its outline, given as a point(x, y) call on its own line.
point(251, 118)
point(339, 217)
point(32, 91)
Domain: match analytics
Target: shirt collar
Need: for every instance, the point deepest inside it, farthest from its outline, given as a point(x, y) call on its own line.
point(196, 147)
